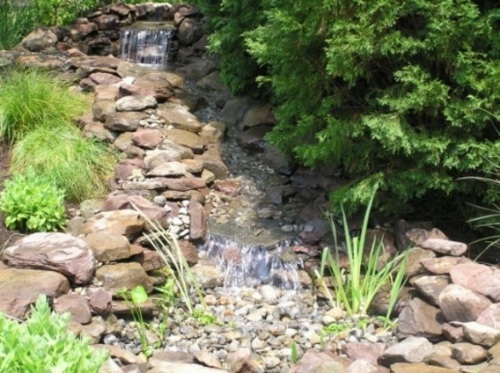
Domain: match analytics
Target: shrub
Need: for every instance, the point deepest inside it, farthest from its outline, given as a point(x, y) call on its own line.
point(14, 23)
point(43, 344)
point(31, 97)
point(397, 92)
point(32, 204)
point(79, 166)
point(356, 289)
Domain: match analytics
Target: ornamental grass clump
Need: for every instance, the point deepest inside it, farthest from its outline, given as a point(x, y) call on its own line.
point(354, 290)
point(43, 344)
point(32, 97)
point(79, 166)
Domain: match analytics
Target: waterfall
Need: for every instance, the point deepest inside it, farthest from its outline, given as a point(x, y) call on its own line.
point(147, 43)
point(254, 265)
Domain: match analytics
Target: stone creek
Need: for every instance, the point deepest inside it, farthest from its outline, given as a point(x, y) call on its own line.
point(181, 135)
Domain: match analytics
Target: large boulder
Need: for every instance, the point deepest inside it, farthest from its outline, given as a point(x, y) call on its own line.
point(58, 252)
point(126, 222)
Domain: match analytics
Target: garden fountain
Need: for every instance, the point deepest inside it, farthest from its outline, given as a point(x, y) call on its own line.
point(146, 43)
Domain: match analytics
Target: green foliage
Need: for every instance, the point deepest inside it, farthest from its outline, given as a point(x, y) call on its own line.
point(228, 20)
point(166, 244)
point(32, 203)
point(43, 344)
point(134, 298)
point(397, 92)
point(294, 354)
point(14, 23)
point(356, 289)
point(205, 318)
point(29, 98)
point(60, 153)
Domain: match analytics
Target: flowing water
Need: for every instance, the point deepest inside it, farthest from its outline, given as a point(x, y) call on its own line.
point(146, 43)
point(251, 265)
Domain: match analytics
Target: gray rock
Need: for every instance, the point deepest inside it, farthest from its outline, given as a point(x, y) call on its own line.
point(186, 138)
point(180, 117)
point(480, 278)
point(481, 334)
point(108, 247)
point(76, 305)
point(461, 304)
point(115, 277)
point(446, 247)
point(431, 286)
point(124, 121)
point(126, 222)
point(135, 103)
point(410, 350)
point(467, 353)
point(168, 169)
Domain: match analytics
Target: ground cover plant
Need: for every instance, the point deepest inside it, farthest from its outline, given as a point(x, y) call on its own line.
point(398, 93)
point(32, 203)
point(43, 344)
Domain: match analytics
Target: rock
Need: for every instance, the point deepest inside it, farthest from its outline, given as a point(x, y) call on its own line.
point(95, 330)
point(490, 316)
point(76, 305)
point(410, 350)
point(363, 366)
point(443, 246)
point(214, 132)
point(453, 333)
point(369, 352)
point(166, 367)
point(442, 266)
point(148, 138)
point(189, 31)
point(124, 121)
point(461, 304)
point(241, 361)
point(416, 236)
point(135, 103)
point(58, 252)
point(253, 140)
point(415, 256)
point(467, 353)
point(431, 286)
point(418, 368)
point(212, 82)
point(234, 109)
point(174, 153)
point(207, 275)
point(94, 129)
point(168, 169)
point(40, 39)
point(115, 277)
point(123, 141)
point(125, 357)
point(102, 78)
point(278, 161)
point(312, 362)
point(420, 319)
point(108, 247)
point(103, 108)
point(184, 183)
point(125, 222)
point(99, 300)
point(147, 209)
point(480, 278)
point(20, 288)
point(180, 117)
point(213, 162)
point(105, 92)
point(259, 113)
point(481, 334)
point(186, 138)
point(207, 359)
point(150, 260)
point(198, 224)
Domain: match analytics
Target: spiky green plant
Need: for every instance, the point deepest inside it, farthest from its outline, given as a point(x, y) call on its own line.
point(80, 166)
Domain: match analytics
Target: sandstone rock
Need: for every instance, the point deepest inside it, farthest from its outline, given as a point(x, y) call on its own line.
point(95, 330)
point(415, 256)
point(490, 316)
point(208, 177)
point(166, 367)
point(148, 138)
point(150, 260)
point(76, 305)
point(99, 300)
point(20, 288)
point(102, 78)
point(103, 108)
point(481, 334)
point(186, 138)
point(467, 353)
point(205, 358)
point(40, 39)
point(129, 168)
point(198, 224)
point(79, 31)
point(168, 169)
point(115, 277)
point(58, 252)
point(166, 153)
point(148, 209)
point(410, 350)
point(180, 117)
point(192, 166)
point(418, 368)
point(207, 275)
point(241, 361)
point(135, 103)
point(259, 113)
point(213, 162)
point(416, 236)
point(107, 21)
point(214, 132)
point(94, 129)
point(125, 357)
point(313, 360)
point(363, 366)
point(431, 286)
point(125, 222)
point(442, 266)
point(106, 92)
point(230, 187)
point(480, 278)
point(444, 362)
point(369, 352)
point(446, 247)
point(453, 333)
point(108, 247)
point(184, 183)
point(189, 251)
point(420, 319)
point(123, 141)
point(461, 304)
point(124, 121)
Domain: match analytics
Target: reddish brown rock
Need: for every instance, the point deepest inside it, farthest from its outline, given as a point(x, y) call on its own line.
point(76, 305)
point(149, 260)
point(124, 121)
point(415, 256)
point(108, 247)
point(116, 277)
point(416, 236)
point(480, 278)
point(467, 353)
point(410, 350)
point(490, 316)
point(431, 286)
point(198, 224)
point(147, 138)
point(418, 368)
point(442, 266)
point(453, 333)
point(186, 138)
point(20, 288)
point(58, 252)
point(369, 352)
point(229, 187)
point(126, 222)
point(461, 304)
point(183, 183)
point(420, 319)
point(445, 247)
point(189, 251)
point(101, 78)
point(100, 301)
